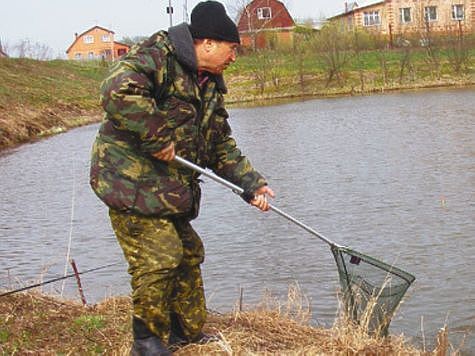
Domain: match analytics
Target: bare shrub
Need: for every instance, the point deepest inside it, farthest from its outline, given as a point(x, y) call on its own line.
point(35, 50)
point(332, 49)
point(458, 50)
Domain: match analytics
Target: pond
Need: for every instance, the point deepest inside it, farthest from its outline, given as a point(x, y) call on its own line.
point(392, 176)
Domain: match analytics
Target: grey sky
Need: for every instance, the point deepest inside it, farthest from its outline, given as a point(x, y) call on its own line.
point(54, 22)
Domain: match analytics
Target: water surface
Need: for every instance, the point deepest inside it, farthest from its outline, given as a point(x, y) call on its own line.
point(392, 176)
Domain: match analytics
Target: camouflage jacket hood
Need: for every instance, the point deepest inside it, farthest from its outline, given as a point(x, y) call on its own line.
point(182, 41)
point(152, 97)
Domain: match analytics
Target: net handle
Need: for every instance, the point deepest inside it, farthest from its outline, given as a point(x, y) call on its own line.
point(239, 191)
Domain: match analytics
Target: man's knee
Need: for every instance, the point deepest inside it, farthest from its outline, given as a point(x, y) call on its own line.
point(150, 244)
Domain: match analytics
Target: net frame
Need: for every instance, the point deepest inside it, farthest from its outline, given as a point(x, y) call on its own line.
point(372, 289)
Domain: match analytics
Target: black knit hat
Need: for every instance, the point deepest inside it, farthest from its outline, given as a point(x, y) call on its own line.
point(209, 20)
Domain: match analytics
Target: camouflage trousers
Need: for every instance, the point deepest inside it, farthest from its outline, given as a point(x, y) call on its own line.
point(164, 257)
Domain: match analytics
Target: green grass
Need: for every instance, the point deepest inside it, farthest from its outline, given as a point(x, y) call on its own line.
point(89, 323)
point(41, 84)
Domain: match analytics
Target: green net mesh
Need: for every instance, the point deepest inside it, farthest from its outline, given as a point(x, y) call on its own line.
point(372, 289)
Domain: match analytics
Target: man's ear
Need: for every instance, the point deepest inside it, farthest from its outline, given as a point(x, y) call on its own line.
point(208, 44)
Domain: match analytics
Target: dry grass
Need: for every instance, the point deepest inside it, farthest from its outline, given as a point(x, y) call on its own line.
point(37, 324)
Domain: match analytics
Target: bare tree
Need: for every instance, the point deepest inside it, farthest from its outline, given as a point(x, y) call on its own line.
point(3, 49)
point(458, 50)
point(406, 65)
point(332, 48)
point(383, 52)
point(22, 48)
point(302, 38)
point(360, 43)
point(430, 41)
point(35, 50)
point(259, 70)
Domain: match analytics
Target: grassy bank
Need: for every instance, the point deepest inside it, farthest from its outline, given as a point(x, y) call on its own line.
point(39, 98)
point(39, 324)
point(270, 74)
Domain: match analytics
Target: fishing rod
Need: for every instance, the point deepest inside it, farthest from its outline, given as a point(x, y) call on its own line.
point(57, 279)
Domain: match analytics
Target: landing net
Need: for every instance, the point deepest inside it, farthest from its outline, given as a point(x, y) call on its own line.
point(372, 289)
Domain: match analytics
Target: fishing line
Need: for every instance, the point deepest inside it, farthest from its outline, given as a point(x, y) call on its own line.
point(57, 279)
point(73, 199)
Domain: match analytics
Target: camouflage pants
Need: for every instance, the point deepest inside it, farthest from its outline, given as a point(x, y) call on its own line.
point(164, 257)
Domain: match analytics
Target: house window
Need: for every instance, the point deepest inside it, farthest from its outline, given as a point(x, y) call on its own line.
point(430, 13)
point(77, 56)
point(90, 55)
point(264, 13)
point(405, 14)
point(105, 38)
point(88, 39)
point(457, 12)
point(371, 18)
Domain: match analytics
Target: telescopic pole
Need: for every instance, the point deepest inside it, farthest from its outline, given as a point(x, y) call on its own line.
point(238, 190)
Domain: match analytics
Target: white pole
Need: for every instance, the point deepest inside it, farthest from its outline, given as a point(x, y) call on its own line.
point(170, 12)
point(185, 11)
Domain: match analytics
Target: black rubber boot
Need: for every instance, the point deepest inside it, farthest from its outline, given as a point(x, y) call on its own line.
point(203, 338)
point(177, 336)
point(145, 342)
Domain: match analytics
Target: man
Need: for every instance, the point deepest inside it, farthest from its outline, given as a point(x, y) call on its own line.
point(165, 97)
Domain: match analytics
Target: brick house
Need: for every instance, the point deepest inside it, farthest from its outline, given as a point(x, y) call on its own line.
point(96, 43)
point(405, 16)
point(263, 21)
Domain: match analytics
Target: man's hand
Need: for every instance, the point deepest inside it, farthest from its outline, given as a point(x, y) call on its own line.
point(167, 154)
point(260, 198)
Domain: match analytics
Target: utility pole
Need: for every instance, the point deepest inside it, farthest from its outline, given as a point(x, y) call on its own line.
point(170, 12)
point(185, 11)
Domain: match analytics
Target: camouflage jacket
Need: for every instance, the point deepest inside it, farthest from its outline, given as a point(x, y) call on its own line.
point(152, 97)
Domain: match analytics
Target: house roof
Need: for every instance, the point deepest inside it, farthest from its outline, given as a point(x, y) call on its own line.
point(285, 14)
point(82, 34)
point(122, 44)
point(352, 7)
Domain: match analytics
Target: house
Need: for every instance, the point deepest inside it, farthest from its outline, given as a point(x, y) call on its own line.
point(264, 21)
point(96, 43)
point(404, 16)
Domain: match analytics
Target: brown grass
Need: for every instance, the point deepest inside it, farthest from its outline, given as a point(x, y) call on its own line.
point(37, 324)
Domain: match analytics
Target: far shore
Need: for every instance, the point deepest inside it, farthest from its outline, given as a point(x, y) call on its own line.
point(67, 120)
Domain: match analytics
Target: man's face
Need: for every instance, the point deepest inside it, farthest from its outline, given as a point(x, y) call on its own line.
point(221, 55)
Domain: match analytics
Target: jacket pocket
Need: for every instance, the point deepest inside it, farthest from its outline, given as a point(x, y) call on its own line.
point(127, 182)
point(164, 196)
